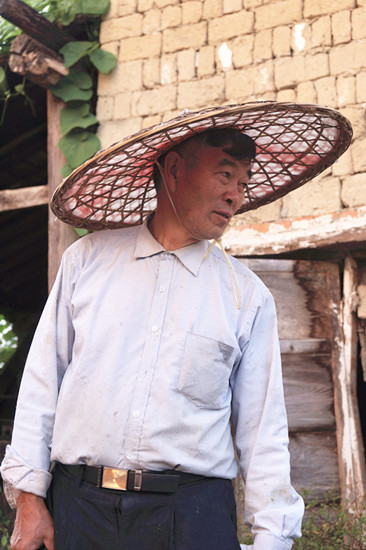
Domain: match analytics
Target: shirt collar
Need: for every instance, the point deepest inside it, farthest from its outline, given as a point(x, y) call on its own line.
point(191, 256)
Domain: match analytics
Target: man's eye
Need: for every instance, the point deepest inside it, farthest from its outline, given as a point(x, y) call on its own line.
point(226, 174)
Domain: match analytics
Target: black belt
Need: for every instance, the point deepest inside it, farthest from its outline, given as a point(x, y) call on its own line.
point(131, 480)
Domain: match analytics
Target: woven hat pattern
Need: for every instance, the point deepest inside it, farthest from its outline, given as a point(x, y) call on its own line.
point(294, 143)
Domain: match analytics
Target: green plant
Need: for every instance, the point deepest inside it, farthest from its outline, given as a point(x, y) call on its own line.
point(8, 341)
point(79, 142)
point(329, 526)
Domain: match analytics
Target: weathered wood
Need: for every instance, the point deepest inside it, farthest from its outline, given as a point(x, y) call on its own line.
point(309, 232)
point(12, 199)
point(60, 235)
point(314, 464)
point(37, 62)
point(34, 24)
point(351, 455)
point(308, 392)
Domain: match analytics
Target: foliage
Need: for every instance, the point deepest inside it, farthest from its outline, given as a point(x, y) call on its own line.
point(327, 526)
point(8, 341)
point(83, 57)
point(5, 528)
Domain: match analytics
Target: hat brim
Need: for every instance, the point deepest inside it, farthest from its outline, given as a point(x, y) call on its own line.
point(294, 143)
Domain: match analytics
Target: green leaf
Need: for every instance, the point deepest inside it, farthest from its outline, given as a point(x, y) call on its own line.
point(95, 7)
point(75, 86)
point(78, 146)
point(8, 341)
point(72, 52)
point(81, 232)
point(105, 62)
point(76, 117)
point(66, 170)
point(3, 82)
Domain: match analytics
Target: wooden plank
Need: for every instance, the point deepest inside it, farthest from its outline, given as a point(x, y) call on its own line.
point(34, 24)
point(288, 235)
point(25, 197)
point(60, 235)
point(306, 345)
point(308, 392)
point(350, 446)
point(314, 464)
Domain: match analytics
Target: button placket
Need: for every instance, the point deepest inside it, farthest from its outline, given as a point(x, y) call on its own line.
point(147, 367)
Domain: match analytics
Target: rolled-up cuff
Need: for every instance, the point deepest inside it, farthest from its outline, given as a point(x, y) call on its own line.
point(18, 475)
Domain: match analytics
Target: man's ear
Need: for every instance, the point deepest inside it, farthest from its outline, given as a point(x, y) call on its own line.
point(172, 165)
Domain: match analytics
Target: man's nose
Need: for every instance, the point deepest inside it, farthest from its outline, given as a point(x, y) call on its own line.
point(234, 195)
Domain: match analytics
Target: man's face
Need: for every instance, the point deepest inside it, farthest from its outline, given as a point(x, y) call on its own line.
point(210, 190)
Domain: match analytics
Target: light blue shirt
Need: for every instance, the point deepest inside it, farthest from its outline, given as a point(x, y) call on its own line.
point(140, 359)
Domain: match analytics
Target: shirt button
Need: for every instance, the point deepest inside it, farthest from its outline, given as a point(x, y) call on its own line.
point(162, 288)
point(154, 328)
point(136, 414)
point(130, 457)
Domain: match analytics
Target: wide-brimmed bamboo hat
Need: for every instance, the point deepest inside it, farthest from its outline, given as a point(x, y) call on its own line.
point(294, 143)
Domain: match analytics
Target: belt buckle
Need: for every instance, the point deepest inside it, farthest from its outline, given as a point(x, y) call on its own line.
point(114, 478)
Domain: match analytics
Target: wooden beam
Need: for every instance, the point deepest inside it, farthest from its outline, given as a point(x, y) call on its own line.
point(38, 63)
point(277, 237)
point(60, 235)
point(34, 24)
point(25, 197)
point(351, 457)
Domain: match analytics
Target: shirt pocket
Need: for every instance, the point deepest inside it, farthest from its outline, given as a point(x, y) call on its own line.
point(205, 373)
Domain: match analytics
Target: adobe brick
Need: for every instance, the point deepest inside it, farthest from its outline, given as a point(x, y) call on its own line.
point(230, 6)
point(230, 26)
point(206, 61)
point(346, 90)
point(288, 95)
point(357, 149)
point(189, 36)
point(288, 71)
point(168, 69)
point(320, 195)
point(212, 9)
point(359, 23)
point(151, 21)
point(274, 14)
point(242, 48)
point(263, 45)
point(306, 92)
point(151, 72)
point(125, 7)
point(172, 17)
point(186, 64)
point(321, 32)
point(125, 77)
point(151, 102)
point(201, 93)
point(316, 66)
point(326, 91)
point(343, 166)
point(281, 41)
point(354, 191)
point(122, 106)
point(104, 109)
point(191, 12)
point(267, 213)
point(139, 48)
point(348, 58)
point(112, 131)
point(341, 27)
point(122, 27)
point(313, 8)
point(361, 87)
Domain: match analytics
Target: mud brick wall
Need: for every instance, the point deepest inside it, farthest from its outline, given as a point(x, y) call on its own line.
point(176, 54)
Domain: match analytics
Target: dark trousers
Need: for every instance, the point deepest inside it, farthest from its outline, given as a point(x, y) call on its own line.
point(199, 516)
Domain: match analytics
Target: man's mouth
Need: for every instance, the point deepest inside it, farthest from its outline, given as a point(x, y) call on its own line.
point(223, 215)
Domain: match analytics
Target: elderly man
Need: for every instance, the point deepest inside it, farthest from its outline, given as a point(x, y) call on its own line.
point(153, 343)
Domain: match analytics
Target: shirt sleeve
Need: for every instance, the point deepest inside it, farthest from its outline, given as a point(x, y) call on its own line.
point(27, 460)
point(272, 509)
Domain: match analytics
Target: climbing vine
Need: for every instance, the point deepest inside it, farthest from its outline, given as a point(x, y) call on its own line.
point(83, 58)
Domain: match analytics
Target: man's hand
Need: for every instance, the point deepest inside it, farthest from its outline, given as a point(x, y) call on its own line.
point(33, 524)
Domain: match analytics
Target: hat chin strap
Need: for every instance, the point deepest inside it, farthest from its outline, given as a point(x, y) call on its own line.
point(233, 277)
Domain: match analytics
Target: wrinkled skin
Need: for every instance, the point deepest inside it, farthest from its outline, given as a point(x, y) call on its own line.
point(33, 524)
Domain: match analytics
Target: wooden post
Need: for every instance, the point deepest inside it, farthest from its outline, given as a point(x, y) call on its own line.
point(60, 235)
point(351, 456)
